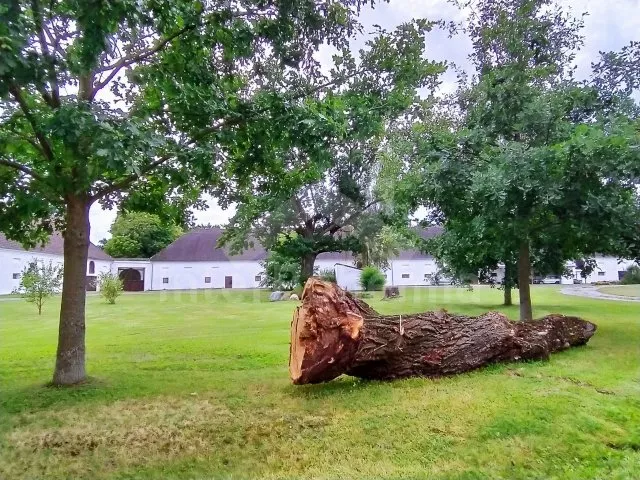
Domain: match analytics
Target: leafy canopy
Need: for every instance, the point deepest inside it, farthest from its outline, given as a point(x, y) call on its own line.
point(139, 235)
point(323, 193)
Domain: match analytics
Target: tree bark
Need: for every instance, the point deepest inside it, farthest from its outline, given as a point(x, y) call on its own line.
point(334, 333)
point(524, 287)
point(307, 263)
point(508, 301)
point(70, 357)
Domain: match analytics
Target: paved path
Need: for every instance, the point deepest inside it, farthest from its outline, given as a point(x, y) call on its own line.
point(591, 291)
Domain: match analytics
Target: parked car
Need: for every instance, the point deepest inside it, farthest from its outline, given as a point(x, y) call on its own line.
point(537, 280)
point(552, 280)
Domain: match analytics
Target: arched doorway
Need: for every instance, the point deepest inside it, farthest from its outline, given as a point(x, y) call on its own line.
point(132, 280)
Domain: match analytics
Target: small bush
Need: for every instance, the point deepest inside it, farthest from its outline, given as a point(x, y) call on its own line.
point(328, 275)
point(632, 277)
point(372, 279)
point(110, 286)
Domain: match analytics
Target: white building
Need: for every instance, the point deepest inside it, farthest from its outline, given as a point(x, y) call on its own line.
point(14, 259)
point(194, 261)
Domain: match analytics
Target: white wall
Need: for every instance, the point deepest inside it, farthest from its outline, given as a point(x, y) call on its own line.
point(15, 261)
point(191, 275)
point(607, 269)
point(348, 277)
point(411, 272)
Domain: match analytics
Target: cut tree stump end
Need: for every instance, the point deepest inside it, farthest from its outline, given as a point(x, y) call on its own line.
point(334, 333)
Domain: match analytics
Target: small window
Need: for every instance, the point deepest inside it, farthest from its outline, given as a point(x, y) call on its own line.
point(405, 275)
point(427, 275)
point(207, 279)
point(165, 280)
point(601, 274)
point(16, 276)
point(92, 267)
point(258, 278)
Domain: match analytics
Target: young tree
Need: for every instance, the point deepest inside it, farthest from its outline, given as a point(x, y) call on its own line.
point(340, 191)
point(39, 281)
point(538, 168)
point(104, 98)
point(139, 235)
point(111, 286)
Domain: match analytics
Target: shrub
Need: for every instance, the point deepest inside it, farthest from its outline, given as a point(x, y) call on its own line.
point(328, 275)
point(280, 272)
point(110, 286)
point(39, 281)
point(632, 277)
point(371, 279)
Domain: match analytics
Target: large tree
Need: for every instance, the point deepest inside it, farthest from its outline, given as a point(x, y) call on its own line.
point(100, 98)
point(324, 214)
point(537, 167)
point(139, 235)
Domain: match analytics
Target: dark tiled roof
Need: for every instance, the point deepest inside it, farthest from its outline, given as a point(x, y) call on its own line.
point(200, 245)
point(55, 246)
point(412, 254)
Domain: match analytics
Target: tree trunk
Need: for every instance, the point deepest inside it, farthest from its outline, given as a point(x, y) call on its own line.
point(508, 301)
point(524, 287)
point(507, 285)
point(333, 333)
point(70, 357)
point(307, 263)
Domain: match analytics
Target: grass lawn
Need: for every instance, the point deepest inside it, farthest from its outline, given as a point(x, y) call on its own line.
point(195, 386)
point(624, 290)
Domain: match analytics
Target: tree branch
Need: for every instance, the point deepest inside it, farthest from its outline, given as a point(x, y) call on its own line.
point(132, 59)
point(52, 99)
point(334, 227)
point(20, 167)
point(128, 180)
point(44, 143)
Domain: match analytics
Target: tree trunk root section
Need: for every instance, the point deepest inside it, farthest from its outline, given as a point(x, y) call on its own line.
point(334, 333)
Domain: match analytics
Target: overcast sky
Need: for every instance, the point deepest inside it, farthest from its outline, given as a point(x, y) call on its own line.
point(610, 25)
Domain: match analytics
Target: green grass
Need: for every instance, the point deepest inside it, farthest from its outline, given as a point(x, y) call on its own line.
point(624, 290)
point(194, 386)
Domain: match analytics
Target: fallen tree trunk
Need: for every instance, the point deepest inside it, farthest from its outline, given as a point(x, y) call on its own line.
point(334, 333)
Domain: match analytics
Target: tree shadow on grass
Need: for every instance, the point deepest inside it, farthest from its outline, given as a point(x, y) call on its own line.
point(341, 386)
point(37, 397)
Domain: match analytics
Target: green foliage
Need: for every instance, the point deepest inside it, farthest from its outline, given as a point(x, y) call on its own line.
point(328, 275)
point(198, 94)
point(372, 279)
point(39, 281)
point(378, 242)
point(111, 286)
point(525, 164)
point(632, 276)
point(281, 272)
point(324, 190)
point(139, 235)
